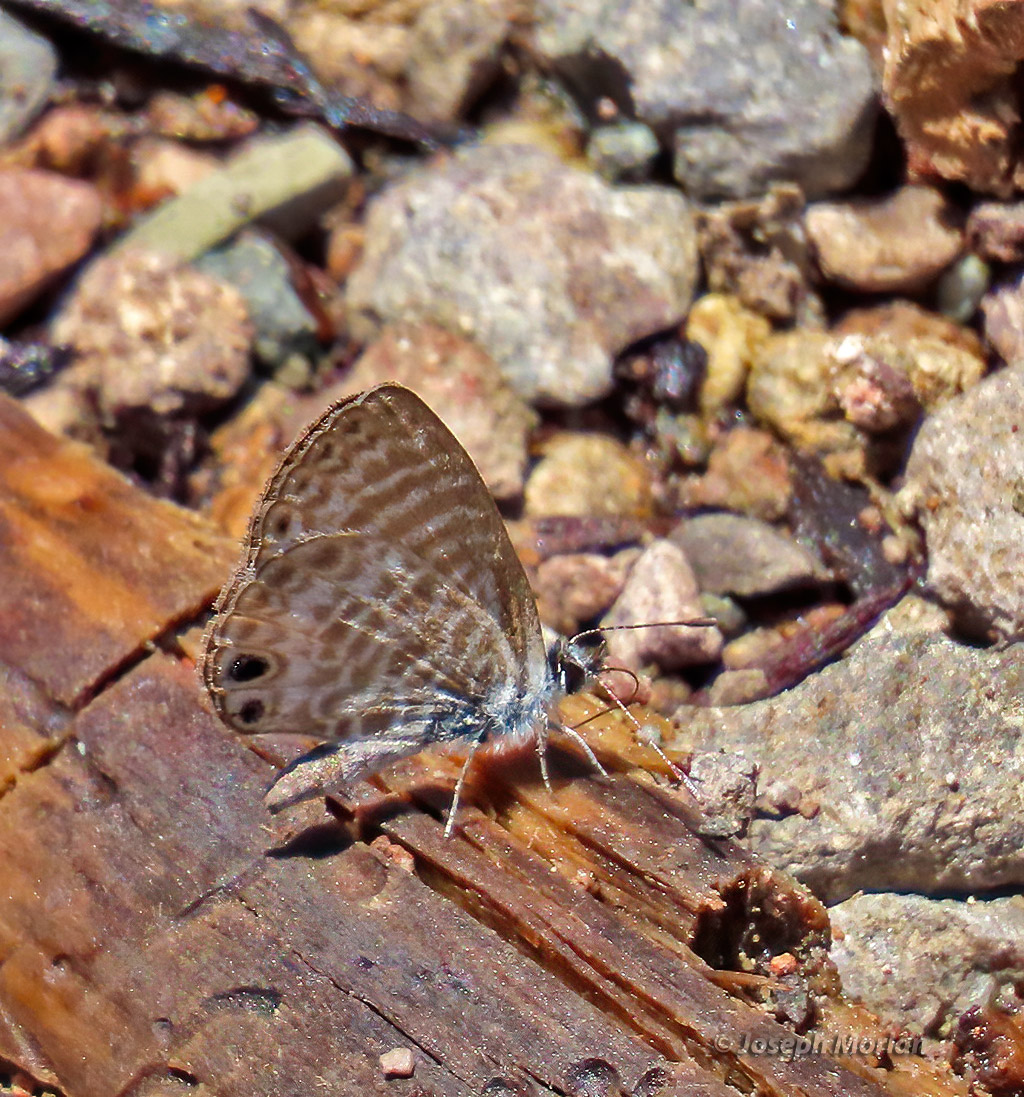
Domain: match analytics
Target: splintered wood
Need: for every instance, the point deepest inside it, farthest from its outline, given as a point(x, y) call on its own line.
point(160, 932)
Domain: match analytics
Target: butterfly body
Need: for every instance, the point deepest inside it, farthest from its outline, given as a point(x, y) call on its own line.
point(379, 606)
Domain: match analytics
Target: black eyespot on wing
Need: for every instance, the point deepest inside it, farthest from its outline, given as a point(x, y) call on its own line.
point(247, 668)
point(282, 522)
point(251, 712)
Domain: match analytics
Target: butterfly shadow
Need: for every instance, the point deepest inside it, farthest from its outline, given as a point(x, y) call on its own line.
point(497, 779)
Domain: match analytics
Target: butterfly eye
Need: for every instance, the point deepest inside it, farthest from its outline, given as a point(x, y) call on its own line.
point(251, 712)
point(247, 668)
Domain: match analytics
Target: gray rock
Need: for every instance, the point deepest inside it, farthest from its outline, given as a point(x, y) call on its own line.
point(28, 66)
point(286, 182)
point(733, 554)
point(909, 759)
point(547, 268)
point(746, 93)
point(622, 151)
point(257, 269)
point(454, 52)
point(726, 785)
point(964, 482)
point(939, 957)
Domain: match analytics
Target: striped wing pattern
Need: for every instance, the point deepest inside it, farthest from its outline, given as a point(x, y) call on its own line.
point(379, 601)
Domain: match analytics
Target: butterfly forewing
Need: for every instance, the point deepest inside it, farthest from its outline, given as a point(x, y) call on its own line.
point(379, 588)
point(341, 634)
point(383, 463)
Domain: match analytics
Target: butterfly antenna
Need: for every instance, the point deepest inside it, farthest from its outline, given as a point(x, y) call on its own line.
point(695, 622)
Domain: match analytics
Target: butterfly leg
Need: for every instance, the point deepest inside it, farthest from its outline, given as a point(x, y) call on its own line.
point(449, 825)
point(679, 774)
point(575, 736)
point(541, 745)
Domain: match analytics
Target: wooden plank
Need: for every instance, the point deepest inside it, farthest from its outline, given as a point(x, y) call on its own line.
point(91, 566)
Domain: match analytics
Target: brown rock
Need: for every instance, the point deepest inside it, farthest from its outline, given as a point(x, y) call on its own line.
point(757, 251)
point(995, 231)
point(660, 588)
point(153, 333)
point(950, 84)
point(48, 223)
point(748, 473)
point(577, 587)
point(898, 244)
point(903, 321)
point(588, 474)
point(1002, 311)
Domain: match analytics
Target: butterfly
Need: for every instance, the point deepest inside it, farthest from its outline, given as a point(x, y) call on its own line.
point(379, 606)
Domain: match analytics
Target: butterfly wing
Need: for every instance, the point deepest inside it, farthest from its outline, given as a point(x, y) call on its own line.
point(382, 463)
point(344, 635)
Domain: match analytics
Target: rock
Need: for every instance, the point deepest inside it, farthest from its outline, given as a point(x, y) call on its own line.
point(28, 68)
point(790, 388)
point(625, 150)
point(283, 326)
point(726, 788)
point(730, 335)
point(737, 687)
point(454, 54)
point(744, 101)
point(732, 554)
point(545, 267)
point(285, 182)
point(47, 223)
point(910, 746)
point(757, 252)
point(963, 482)
point(829, 393)
point(660, 588)
point(995, 231)
point(579, 586)
point(588, 475)
point(949, 84)
point(748, 472)
point(899, 244)
point(961, 287)
point(1002, 312)
point(463, 385)
point(153, 334)
point(164, 166)
point(430, 58)
point(399, 1062)
point(921, 963)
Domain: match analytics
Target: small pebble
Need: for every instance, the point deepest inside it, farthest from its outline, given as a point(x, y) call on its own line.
point(588, 475)
point(898, 244)
point(660, 588)
point(399, 1062)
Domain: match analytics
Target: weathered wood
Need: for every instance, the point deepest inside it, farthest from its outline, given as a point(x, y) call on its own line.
point(91, 568)
point(584, 942)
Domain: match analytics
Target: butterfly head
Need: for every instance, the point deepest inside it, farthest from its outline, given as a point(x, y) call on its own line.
point(572, 664)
